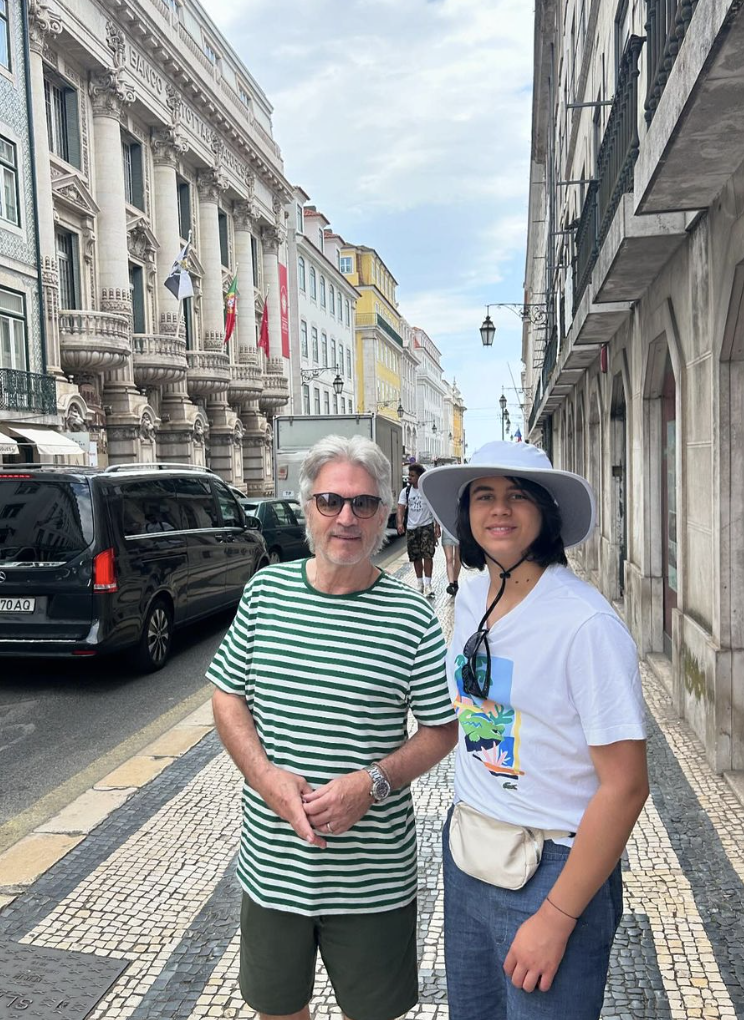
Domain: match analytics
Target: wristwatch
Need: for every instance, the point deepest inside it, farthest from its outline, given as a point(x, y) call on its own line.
point(380, 783)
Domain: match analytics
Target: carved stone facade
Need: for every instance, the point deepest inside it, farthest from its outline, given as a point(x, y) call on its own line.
point(142, 156)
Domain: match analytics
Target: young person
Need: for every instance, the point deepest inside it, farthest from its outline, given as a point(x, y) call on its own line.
point(544, 678)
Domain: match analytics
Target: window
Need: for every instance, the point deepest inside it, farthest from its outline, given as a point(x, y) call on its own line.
point(335, 403)
point(231, 516)
point(9, 205)
point(224, 246)
point(343, 406)
point(340, 307)
point(134, 189)
point(301, 273)
point(322, 291)
point(137, 290)
point(341, 359)
point(4, 35)
point(300, 219)
point(333, 353)
point(622, 31)
point(314, 340)
point(346, 264)
point(348, 364)
point(211, 53)
point(244, 95)
point(184, 208)
point(324, 348)
point(68, 269)
point(198, 506)
point(320, 238)
point(303, 338)
point(316, 399)
point(12, 330)
point(348, 313)
point(306, 399)
point(187, 307)
point(326, 402)
point(332, 300)
point(148, 508)
point(313, 287)
point(63, 130)
point(254, 260)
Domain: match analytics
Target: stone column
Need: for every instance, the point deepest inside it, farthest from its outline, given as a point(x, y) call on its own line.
point(44, 23)
point(110, 93)
point(270, 240)
point(210, 186)
point(243, 222)
point(175, 435)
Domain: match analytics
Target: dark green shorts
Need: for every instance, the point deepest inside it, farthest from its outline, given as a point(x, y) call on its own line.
point(370, 960)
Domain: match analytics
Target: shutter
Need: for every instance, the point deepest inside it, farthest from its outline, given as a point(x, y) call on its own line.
point(72, 127)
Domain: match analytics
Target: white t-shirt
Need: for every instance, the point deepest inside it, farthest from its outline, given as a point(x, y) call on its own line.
point(419, 511)
point(564, 676)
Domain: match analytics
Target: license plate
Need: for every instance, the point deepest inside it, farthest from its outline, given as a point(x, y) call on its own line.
point(17, 605)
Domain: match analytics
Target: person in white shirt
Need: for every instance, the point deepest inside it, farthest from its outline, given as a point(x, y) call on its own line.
point(416, 521)
point(544, 678)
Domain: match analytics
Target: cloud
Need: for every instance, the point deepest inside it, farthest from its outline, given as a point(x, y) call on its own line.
point(408, 122)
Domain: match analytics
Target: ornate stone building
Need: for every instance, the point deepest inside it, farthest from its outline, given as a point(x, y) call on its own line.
point(634, 376)
point(150, 132)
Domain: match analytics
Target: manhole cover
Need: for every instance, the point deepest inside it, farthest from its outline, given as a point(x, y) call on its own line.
point(52, 984)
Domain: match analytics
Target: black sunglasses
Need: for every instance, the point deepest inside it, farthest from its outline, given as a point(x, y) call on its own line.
point(470, 682)
point(330, 504)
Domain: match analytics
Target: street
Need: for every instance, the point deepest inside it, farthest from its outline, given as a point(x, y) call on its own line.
point(66, 723)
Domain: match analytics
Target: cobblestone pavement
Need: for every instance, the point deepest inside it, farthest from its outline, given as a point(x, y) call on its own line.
point(154, 884)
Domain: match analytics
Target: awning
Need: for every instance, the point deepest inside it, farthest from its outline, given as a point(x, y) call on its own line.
point(48, 441)
point(8, 446)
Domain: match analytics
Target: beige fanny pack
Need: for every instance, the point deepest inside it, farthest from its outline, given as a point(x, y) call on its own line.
point(496, 852)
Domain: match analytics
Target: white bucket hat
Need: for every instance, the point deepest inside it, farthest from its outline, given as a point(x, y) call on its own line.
point(444, 486)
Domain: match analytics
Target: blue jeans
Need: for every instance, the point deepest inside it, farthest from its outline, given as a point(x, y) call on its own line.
point(480, 922)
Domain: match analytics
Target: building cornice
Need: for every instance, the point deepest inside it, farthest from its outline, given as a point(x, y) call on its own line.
point(213, 100)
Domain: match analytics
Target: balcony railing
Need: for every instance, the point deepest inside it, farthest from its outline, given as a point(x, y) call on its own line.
point(27, 391)
point(375, 319)
point(614, 171)
point(666, 29)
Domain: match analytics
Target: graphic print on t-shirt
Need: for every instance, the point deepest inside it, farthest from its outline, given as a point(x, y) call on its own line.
point(491, 725)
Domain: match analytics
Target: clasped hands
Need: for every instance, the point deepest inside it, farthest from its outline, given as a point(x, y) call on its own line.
point(331, 809)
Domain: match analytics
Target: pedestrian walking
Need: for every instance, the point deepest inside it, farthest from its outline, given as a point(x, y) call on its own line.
point(416, 521)
point(550, 772)
point(451, 549)
point(314, 682)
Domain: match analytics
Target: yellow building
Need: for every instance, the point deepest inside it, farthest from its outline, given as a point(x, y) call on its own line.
point(458, 425)
point(379, 345)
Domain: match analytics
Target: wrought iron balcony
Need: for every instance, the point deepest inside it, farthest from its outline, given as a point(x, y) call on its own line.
point(93, 341)
point(27, 391)
point(375, 319)
point(666, 28)
point(158, 359)
point(614, 171)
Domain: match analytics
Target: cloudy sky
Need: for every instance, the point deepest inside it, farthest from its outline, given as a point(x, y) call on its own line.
point(408, 124)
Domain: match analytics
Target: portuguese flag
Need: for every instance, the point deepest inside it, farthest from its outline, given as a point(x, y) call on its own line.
point(231, 308)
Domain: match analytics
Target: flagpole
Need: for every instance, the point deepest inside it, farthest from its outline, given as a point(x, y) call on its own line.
point(180, 299)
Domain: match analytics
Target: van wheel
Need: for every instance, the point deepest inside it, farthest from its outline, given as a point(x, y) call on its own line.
point(275, 555)
point(154, 645)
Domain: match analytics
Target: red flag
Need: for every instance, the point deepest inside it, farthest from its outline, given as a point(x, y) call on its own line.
point(231, 308)
point(263, 336)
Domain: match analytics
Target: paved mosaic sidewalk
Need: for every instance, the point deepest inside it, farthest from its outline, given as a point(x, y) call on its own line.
point(154, 884)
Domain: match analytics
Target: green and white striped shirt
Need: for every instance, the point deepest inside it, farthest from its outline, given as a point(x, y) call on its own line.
point(329, 680)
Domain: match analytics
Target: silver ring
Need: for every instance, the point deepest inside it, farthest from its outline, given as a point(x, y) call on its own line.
point(329, 828)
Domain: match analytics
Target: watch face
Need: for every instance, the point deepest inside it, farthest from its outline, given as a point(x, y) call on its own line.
point(380, 788)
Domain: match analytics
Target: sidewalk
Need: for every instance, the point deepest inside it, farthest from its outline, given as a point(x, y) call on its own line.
point(144, 874)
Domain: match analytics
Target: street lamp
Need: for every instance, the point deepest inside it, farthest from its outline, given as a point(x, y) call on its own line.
point(504, 414)
point(534, 313)
point(338, 385)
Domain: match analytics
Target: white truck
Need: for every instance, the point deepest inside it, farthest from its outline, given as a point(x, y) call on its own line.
point(294, 434)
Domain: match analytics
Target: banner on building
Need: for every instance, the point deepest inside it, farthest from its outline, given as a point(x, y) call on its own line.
point(284, 309)
point(263, 333)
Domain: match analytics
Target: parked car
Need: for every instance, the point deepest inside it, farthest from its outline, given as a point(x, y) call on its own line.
point(282, 526)
point(97, 561)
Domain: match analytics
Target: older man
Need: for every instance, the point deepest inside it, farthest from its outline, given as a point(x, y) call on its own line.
point(315, 678)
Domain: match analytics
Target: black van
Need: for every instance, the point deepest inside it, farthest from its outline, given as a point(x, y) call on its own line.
point(96, 561)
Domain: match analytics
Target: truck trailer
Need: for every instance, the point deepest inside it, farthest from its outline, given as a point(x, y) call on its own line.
point(294, 434)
